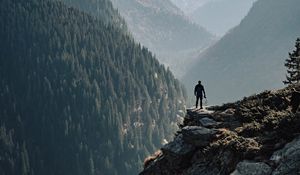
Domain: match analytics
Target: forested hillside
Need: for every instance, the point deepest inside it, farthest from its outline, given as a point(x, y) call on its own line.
point(102, 9)
point(77, 96)
point(251, 57)
point(163, 28)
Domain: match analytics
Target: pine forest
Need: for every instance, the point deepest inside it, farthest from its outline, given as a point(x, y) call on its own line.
point(77, 94)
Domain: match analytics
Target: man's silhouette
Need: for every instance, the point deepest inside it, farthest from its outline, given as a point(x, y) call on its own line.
point(295, 100)
point(199, 92)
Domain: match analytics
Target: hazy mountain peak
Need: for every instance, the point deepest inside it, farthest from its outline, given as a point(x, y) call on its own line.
point(217, 16)
point(159, 5)
point(189, 6)
point(250, 58)
point(163, 28)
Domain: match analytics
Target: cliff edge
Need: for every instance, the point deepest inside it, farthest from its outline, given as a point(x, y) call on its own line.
point(257, 135)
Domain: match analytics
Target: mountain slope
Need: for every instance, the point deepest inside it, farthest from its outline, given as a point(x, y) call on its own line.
point(219, 16)
point(189, 6)
point(77, 95)
point(162, 27)
point(101, 9)
point(250, 57)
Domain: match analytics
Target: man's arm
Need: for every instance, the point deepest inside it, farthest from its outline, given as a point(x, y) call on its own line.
point(195, 90)
point(204, 92)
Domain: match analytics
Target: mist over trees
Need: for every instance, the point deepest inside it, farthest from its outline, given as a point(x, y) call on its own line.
point(102, 9)
point(163, 28)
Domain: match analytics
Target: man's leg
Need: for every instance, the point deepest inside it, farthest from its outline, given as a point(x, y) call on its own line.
point(197, 99)
point(295, 107)
point(201, 103)
point(295, 101)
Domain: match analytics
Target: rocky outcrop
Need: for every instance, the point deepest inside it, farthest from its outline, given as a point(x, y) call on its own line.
point(252, 168)
point(198, 136)
point(288, 158)
point(257, 135)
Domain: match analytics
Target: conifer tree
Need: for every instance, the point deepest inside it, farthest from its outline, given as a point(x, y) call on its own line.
point(293, 65)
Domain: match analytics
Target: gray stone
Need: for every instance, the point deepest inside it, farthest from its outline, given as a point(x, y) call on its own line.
point(178, 147)
point(288, 159)
point(252, 168)
point(208, 122)
point(197, 135)
point(202, 169)
point(196, 113)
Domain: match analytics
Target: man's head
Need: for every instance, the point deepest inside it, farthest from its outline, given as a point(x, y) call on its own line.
point(199, 82)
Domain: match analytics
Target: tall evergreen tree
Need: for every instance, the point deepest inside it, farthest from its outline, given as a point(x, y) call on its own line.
point(293, 65)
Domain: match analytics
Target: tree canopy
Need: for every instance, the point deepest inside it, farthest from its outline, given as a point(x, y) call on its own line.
point(77, 95)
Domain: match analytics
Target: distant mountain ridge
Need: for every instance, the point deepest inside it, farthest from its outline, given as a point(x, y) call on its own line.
point(189, 6)
point(219, 16)
point(163, 28)
point(250, 58)
point(160, 6)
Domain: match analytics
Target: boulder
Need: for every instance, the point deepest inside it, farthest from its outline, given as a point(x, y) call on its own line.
point(195, 113)
point(208, 122)
point(288, 158)
point(252, 168)
point(202, 169)
point(228, 112)
point(198, 136)
point(177, 154)
point(178, 147)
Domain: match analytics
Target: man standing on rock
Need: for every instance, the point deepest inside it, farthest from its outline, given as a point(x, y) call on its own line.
point(199, 92)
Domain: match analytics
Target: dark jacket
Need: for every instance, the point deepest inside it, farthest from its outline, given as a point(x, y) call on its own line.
point(295, 101)
point(199, 90)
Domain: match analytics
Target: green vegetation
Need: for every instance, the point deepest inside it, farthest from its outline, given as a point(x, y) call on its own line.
point(78, 96)
point(293, 65)
point(102, 9)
